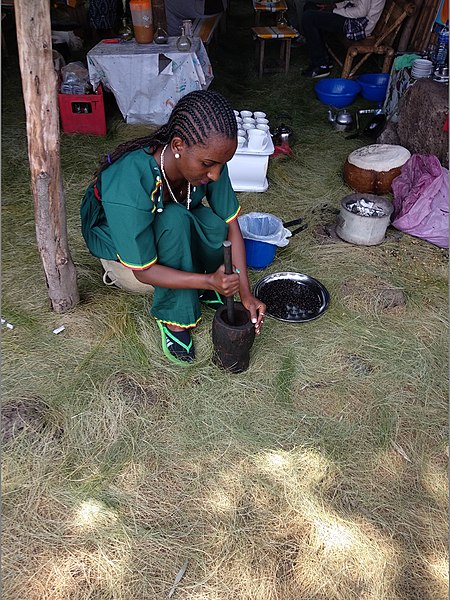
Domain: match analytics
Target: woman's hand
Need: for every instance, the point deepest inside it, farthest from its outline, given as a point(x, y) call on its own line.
point(257, 310)
point(227, 285)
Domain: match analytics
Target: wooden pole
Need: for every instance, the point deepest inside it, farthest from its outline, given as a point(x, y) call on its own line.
point(421, 35)
point(40, 95)
point(403, 44)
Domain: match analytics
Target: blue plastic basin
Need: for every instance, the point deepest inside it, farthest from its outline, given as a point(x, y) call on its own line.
point(337, 92)
point(374, 86)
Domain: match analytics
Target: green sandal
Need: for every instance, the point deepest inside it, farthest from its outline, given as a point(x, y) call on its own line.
point(211, 298)
point(177, 345)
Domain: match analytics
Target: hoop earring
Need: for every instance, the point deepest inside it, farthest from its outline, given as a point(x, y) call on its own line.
point(176, 155)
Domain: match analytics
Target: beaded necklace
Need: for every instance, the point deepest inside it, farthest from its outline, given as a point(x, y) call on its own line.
point(188, 197)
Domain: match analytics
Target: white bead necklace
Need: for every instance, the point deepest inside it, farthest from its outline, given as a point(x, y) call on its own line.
point(188, 197)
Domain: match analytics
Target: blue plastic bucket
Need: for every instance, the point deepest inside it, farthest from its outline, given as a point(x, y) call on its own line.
point(259, 254)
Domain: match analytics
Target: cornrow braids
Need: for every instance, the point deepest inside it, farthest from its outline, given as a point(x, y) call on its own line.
point(196, 116)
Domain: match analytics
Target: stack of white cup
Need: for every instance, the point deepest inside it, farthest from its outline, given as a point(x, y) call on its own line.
point(253, 130)
point(421, 68)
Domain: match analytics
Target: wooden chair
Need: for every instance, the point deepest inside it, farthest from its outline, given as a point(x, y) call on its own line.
point(380, 42)
point(206, 27)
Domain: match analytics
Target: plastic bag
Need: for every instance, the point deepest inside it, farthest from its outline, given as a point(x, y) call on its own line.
point(264, 227)
point(421, 199)
point(75, 78)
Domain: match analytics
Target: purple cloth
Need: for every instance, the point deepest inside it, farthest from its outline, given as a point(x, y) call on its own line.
point(421, 199)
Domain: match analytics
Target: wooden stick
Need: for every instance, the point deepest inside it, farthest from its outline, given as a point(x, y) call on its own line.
point(228, 271)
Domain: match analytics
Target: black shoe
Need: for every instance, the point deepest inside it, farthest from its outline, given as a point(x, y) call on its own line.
point(177, 345)
point(299, 42)
point(316, 72)
point(211, 298)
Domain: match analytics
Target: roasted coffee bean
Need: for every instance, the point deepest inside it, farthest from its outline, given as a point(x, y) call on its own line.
point(290, 300)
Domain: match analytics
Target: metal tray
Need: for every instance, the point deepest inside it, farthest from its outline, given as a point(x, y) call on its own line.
point(292, 297)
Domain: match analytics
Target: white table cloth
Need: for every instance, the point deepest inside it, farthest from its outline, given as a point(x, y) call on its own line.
point(147, 80)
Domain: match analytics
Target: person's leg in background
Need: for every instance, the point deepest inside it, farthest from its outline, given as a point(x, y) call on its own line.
point(314, 22)
point(295, 13)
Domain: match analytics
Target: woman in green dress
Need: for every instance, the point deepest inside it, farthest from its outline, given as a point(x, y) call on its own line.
point(161, 207)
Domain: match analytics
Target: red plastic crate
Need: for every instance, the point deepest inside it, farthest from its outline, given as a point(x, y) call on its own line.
point(83, 113)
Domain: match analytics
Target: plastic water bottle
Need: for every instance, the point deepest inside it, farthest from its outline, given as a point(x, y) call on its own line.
point(442, 48)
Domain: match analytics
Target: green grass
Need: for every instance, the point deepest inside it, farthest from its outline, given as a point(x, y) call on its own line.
point(320, 473)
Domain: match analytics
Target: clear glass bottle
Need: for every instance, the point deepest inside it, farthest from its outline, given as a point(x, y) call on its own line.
point(161, 36)
point(125, 32)
point(184, 42)
point(282, 21)
point(187, 24)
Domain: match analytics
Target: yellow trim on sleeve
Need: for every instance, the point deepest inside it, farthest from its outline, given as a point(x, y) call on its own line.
point(138, 267)
point(233, 217)
point(155, 191)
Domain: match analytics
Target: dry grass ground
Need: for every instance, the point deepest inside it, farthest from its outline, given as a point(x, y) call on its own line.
point(318, 474)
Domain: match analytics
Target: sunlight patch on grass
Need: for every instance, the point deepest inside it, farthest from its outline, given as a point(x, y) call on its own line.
point(334, 536)
point(438, 568)
point(92, 514)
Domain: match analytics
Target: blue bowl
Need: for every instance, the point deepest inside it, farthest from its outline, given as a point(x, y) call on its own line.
point(337, 92)
point(374, 86)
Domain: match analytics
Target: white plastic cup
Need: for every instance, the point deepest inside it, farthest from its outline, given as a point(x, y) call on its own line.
point(241, 141)
point(262, 120)
point(246, 113)
point(248, 120)
point(248, 126)
point(259, 114)
point(241, 132)
point(238, 120)
point(236, 113)
point(257, 139)
point(262, 126)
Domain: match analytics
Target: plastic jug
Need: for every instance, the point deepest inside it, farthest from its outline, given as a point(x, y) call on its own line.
point(142, 17)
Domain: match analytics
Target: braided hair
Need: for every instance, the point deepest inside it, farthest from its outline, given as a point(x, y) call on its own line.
point(194, 118)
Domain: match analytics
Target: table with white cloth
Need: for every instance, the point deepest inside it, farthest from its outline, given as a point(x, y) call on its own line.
point(147, 80)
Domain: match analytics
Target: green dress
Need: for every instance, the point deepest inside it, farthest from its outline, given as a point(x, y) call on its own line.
point(123, 218)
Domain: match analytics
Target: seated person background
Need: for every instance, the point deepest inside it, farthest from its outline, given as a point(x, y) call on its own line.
point(295, 14)
point(178, 10)
point(356, 20)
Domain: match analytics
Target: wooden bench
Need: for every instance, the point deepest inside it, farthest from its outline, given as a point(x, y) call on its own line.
point(267, 7)
point(380, 42)
point(281, 33)
point(206, 27)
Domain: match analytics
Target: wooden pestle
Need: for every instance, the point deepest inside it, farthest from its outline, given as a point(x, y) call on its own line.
point(228, 271)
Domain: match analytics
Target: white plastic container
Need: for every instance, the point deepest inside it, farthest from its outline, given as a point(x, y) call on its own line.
point(248, 168)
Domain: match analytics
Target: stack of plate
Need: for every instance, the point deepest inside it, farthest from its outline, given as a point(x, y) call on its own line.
point(421, 68)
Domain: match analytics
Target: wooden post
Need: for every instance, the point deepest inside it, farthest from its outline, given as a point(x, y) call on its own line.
point(409, 26)
point(40, 94)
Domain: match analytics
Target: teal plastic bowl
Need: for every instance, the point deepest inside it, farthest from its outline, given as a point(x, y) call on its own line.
point(337, 92)
point(374, 86)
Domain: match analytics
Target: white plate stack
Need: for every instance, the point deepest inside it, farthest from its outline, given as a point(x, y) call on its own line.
point(421, 68)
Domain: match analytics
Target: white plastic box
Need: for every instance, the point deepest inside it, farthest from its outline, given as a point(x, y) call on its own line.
point(248, 168)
